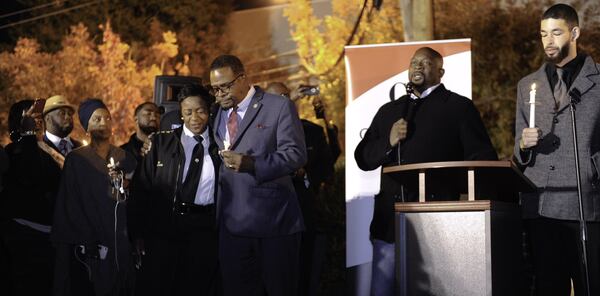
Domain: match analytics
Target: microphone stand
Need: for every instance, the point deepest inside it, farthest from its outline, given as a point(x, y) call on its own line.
point(409, 92)
point(575, 97)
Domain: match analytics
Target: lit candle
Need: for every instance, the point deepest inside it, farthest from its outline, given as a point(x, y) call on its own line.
point(532, 106)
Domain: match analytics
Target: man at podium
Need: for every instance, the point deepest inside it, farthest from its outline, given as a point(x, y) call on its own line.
point(429, 124)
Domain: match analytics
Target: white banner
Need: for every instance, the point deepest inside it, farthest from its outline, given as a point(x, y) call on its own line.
point(371, 71)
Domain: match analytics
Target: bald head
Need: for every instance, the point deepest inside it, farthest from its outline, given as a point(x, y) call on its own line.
point(278, 88)
point(426, 69)
point(432, 53)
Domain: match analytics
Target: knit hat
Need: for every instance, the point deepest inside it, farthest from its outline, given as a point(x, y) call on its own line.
point(87, 108)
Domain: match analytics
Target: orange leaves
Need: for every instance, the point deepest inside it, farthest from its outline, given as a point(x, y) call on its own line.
point(81, 69)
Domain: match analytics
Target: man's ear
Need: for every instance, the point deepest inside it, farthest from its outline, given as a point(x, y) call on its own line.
point(575, 33)
point(442, 71)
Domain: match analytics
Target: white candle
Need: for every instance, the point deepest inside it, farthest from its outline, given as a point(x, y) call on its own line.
point(532, 106)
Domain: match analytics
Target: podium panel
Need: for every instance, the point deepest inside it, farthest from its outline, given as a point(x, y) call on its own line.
point(458, 248)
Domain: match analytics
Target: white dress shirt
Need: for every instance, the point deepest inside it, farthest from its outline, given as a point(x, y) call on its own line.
point(206, 188)
point(56, 140)
point(425, 93)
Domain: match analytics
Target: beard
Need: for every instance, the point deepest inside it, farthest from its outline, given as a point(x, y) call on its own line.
point(61, 130)
point(563, 52)
point(66, 130)
point(148, 129)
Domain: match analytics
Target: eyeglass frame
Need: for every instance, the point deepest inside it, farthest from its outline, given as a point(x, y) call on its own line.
point(225, 87)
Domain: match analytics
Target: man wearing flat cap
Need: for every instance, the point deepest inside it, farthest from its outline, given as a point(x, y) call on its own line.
point(36, 159)
point(171, 212)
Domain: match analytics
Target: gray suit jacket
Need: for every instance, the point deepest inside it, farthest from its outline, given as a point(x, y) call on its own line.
point(263, 203)
point(551, 164)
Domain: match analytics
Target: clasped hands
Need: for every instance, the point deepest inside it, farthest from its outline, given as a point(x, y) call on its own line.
point(237, 162)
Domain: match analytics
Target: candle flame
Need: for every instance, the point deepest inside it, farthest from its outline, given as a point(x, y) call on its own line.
point(85, 143)
point(112, 161)
point(533, 86)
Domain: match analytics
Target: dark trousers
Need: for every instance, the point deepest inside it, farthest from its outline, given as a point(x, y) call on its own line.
point(313, 247)
point(183, 262)
point(556, 256)
point(251, 266)
point(31, 260)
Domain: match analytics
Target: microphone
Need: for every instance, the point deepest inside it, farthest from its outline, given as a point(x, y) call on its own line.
point(116, 180)
point(409, 89)
point(411, 105)
point(575, 96)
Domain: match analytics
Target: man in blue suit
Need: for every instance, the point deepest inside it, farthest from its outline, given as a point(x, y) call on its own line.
point(262, 144)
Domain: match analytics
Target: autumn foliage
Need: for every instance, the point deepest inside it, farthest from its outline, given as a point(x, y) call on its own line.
point(83, 69)
point(321, 42)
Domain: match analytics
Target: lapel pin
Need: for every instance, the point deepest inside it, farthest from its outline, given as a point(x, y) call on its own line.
point(255, 105)
point(196, 160)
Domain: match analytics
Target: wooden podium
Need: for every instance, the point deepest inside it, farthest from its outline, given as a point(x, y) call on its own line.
point(470, 246)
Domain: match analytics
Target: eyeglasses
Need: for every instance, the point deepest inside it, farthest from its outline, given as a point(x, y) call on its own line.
point(225, 87)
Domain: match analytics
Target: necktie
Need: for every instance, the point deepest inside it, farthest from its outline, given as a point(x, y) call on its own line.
point(560, 90)
point(232, 124)
point(63, 147)
point(192, 178)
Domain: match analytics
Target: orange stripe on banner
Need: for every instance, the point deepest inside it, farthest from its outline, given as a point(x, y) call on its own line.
point(367, 66)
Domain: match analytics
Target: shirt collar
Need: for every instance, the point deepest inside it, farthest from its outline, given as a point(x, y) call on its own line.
point(188, 133)
point(56, 139)
point(425, 93)
point(243, 105)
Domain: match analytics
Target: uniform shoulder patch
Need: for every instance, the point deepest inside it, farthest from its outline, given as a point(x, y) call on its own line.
point(161, 133)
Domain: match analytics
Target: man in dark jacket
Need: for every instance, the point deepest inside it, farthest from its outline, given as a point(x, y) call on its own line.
point(171, 211)
point(146, 122)
point(36, 159)
point(433, 124)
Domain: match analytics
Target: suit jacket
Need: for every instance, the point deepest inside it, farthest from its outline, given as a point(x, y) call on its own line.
point(551, 164)
point(32, 181)
point(445, 127)
point(263, 203)
point(156, 184)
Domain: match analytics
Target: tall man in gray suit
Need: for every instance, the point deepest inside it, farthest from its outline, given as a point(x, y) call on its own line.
point(262, 144)
point(546, 152)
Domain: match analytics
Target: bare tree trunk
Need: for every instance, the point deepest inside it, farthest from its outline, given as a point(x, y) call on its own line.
point(417, 16)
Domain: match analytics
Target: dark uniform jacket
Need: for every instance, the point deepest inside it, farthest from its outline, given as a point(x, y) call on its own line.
point(156, 184)
point(445, 127)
